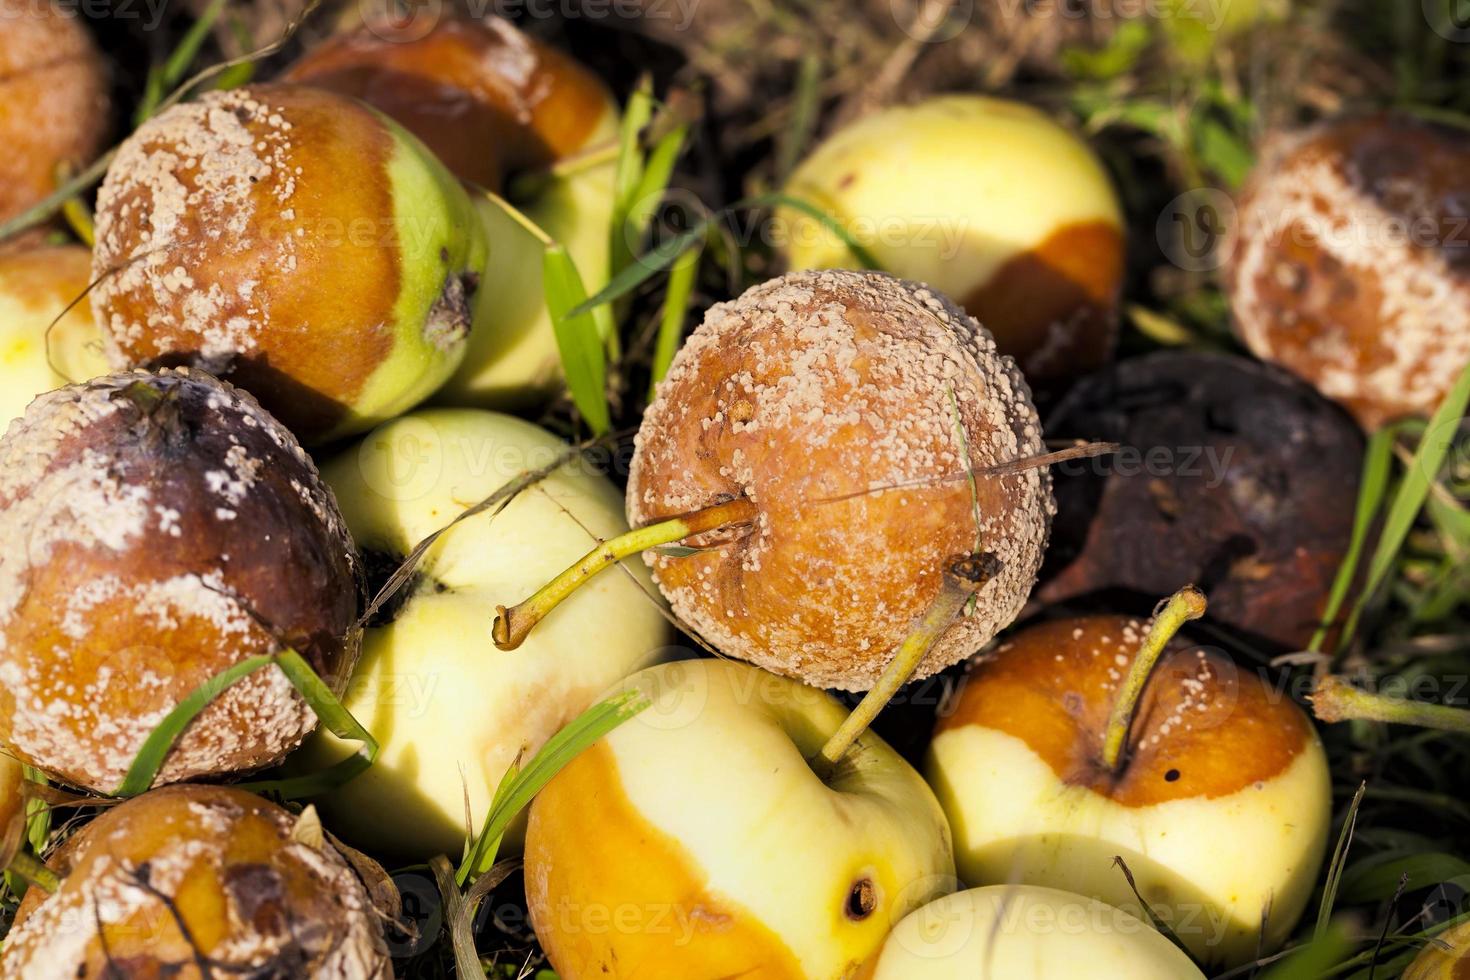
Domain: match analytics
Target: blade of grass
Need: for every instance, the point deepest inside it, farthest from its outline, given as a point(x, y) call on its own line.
point(520, 786)
point(1326, 950)
point(1339, 861)
point(636, 116)
point(1408, 501)
point(682, 277)
point(1372, 485)
point(858, 250)
point(577, 337)
point(155, 750)
point(806, 101)
point(655, 260)
point(163, 77)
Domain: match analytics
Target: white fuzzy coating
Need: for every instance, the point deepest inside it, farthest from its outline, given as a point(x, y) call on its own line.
point(1408, 357)
point(60, 936)
point(60, 505)
point(851, 382)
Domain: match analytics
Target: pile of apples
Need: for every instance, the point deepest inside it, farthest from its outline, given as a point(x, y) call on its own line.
point(306, 316)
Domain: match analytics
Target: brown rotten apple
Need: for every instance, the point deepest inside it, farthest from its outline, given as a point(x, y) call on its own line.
point(295, 241)
point(53, 100)
point(1350, 266)
point(1063, 752)
point(493, 104)
point(199, 881)
point(827, 443)
point(160, 528)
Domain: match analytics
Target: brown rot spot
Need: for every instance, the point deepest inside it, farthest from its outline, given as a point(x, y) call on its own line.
point(862, 899)
point(259, 896)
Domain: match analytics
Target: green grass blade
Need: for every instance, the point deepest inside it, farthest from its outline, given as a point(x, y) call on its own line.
point(1314, 960)
point(520, 787)
point(1372, 485)
point(577, 337)
point(166, 76)
point(682, 277)
point(160, 741)
point(629, 173)
point(645, 267)
point(806, 104)
point(658, 170)
point(778, 200)
point(1408, 501)
point(1339, 861)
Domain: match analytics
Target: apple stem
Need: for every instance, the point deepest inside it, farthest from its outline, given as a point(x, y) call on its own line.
point(1186, 604)
point(514, 624)
point(962, 579)
point(1336, 700)
point(33, 871)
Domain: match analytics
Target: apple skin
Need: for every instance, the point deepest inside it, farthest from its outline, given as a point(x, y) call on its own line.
point(452, 712)
point(12, 778)
point(36, 285)
point(986, 200)
point(493, 102)
point(221, 220)
point(1446, 959)
point(695, 840)
point(1026, 932)
point(1224, 805)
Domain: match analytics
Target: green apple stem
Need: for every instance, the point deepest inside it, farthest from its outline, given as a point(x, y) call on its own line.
point(1336, 700)
point(34, 871)
point(1186, 604)
point(514, 624)
point(962, 579)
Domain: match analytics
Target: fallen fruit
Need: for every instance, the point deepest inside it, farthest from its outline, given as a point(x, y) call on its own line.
point(1231, 474)
point(1024, 932)
point(1445, 957)
point(496, 105)
point(824, 445)
point(1349, 266)
point(295, 242)
point(38, 352)
point(451, 712)
point(53, 99)
point(696, 841)
point(987, 200)
point(199, 881)
point(1216, 795)
point(167, 528)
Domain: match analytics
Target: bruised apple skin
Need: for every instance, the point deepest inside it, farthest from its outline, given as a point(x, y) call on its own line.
point(1023, 932)
point(987, 200)
point(193, 882)
point(165, 528)
point(1221, 808)
point(292, 241)
point(494, 103)
point(53, 100)
point(849, 408)
point(696, 841)
point(1350, 267)
point(1232, 475)
point(38, 352)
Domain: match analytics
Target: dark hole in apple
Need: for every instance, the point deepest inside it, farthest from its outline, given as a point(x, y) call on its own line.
point(862, 901)
point(378, 568)
point(1172, 776)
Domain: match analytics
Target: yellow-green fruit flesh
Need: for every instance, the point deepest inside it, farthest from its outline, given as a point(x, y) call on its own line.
point(451, 712)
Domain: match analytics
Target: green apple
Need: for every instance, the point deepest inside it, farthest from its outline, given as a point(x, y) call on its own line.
point(989, 201)
point(35, 287)
point(696, 840)
point(1220, 807)
point(450, 711)
point(1024, 932)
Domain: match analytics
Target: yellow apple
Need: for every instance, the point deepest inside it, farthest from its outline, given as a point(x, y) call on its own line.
point(989, 201)
point(1220, 809)
point(452, 712)
point(696, 840)
point(12, 779)
point(35, 287)
point(1024, 932)
point(1447, 957)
